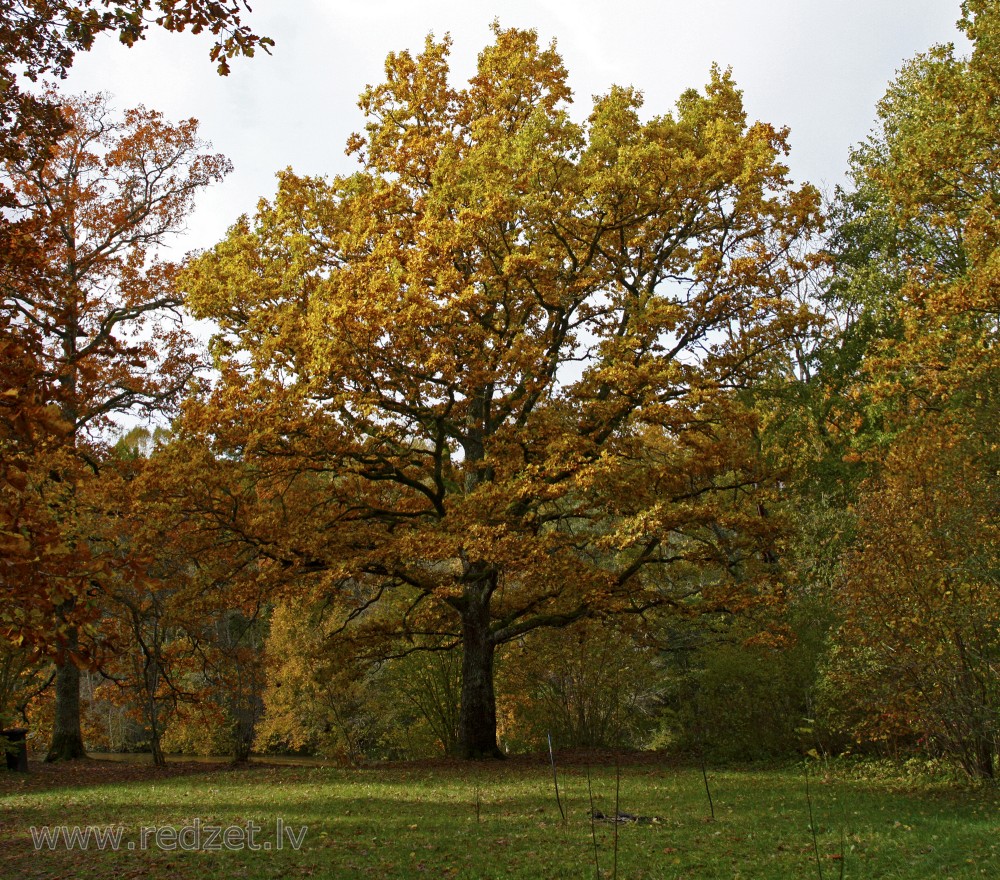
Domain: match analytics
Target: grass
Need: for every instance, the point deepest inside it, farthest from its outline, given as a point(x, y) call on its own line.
point(421, 821)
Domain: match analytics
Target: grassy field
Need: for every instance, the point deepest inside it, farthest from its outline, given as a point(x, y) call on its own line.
point(495, 821)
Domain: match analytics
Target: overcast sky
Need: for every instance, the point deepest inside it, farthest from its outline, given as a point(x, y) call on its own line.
point(817, 66)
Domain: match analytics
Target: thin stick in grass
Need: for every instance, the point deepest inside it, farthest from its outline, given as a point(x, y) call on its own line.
point(708, 791)
point(812, 827)
point(555, 780)
point(701, 753)
point(618, 788)
point(593, 828)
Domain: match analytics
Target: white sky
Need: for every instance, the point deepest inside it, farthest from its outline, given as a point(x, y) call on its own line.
point(817, 66)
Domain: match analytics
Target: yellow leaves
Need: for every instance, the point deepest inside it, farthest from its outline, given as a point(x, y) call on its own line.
point(933, 169)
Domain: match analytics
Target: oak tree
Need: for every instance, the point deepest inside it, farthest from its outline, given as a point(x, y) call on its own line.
point(491, 382)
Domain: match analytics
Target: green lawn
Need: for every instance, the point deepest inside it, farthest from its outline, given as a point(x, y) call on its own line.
point(421, 821)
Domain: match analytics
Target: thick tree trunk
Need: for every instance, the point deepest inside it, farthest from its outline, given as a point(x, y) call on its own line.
point(156, 750)
point(478, 716)
point(67, 740)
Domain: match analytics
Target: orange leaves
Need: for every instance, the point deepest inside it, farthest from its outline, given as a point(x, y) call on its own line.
point(38, 569)
point(100, 205)
point(99, 305)
point(920, 593)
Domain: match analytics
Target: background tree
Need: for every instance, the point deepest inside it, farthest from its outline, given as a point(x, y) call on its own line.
point(595, 684)
point(486, 383)
point(233, 655)
point(917, 657)
point(142, 596)
point(40, 38)
point(323, 701)
point(925, 558)
point(101, 304)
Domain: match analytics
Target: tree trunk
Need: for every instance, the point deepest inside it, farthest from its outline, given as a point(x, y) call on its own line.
point(153, 716)
point(155, 749)
point(984, 757)
point(478, 716)
point(245, 711)
point(67, 740)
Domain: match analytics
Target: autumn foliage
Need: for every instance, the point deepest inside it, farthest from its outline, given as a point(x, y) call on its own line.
point(543, 419)
point(491, 379)
point(91, 318)
point(915, 660)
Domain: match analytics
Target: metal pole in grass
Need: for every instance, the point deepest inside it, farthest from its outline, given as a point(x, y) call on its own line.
point(593, 829)
point(555, 779)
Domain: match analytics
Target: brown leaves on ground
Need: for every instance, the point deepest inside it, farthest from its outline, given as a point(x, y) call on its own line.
point(64, 774)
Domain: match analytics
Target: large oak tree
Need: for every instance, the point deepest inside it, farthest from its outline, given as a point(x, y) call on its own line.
point(491, 382)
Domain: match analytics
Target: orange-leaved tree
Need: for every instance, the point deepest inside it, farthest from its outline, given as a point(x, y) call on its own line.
point(41, 38)
point(98, 305)
point(490, 382)
point(916, 656)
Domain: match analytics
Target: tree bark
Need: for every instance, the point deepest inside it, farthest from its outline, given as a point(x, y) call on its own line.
point(67, 739)
point(477, 719)
point(478, 715)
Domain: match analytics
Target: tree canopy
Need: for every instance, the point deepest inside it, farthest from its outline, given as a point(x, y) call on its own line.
point(490, 382)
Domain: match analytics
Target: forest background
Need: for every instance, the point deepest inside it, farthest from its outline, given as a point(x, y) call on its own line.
point(539, 420)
